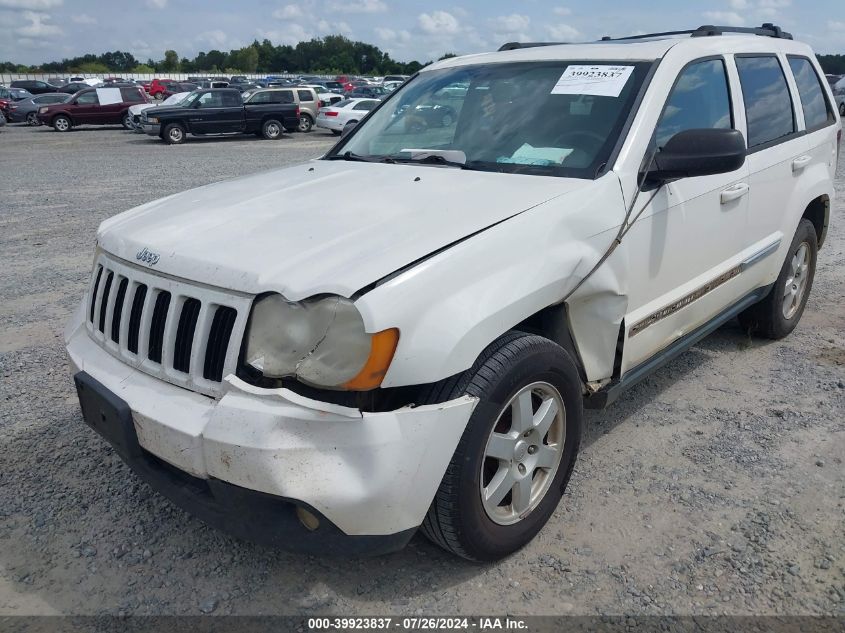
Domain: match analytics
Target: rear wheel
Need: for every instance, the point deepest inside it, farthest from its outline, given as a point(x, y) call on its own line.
point(842, 108)
point(305, 123)
point(61, 123)
point(271, 130)
point(32, 118)
point(174, 134)
point(158, 96)
point(777, 315)
point(517, 452)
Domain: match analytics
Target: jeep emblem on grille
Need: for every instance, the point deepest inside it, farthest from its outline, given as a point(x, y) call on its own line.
point(147, 256)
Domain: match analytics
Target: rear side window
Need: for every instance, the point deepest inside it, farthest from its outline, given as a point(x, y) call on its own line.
point(699, 100)
point(132, 95)
point(366, 105)
point(817, 111)
point(768, 105)
point(305, 95)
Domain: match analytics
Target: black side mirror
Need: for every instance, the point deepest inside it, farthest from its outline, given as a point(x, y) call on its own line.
point(348, 128)
point(695, 153)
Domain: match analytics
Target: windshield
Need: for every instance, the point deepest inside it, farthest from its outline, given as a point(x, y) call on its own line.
point(559, 118)
point(176, 99)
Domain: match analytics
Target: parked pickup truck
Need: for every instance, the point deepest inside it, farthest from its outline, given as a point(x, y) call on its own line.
point(219, 111)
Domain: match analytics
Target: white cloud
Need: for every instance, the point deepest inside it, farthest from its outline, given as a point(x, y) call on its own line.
point(728, 18)
point(215, 38)
point(775, 4)
point(288, 12)
point(324, 26)
point(392, 36)
point(439, 23)
point(30, 5)
point(37, 27)
point(563, 32)
point(562, 11)
point(739, 5)
point(357, 6)
point(156, 4)
point(513, 23)
point(290, 33)
point(83, 18)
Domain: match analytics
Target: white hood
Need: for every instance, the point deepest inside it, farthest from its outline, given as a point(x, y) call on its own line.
point(322, 227)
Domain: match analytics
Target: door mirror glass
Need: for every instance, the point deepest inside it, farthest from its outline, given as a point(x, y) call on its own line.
point(694, 153)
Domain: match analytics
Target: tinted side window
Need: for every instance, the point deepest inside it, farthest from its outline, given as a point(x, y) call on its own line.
point(817, 112)
point(211, 100)
point(261, 97)
point(131, 95)
point(699, 100)
point(232, 99)
point(366, 105)
point(768, 105)
point(88, 98)
point(305, 95)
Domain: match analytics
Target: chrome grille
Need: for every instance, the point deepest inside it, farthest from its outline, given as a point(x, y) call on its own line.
point(187, 334)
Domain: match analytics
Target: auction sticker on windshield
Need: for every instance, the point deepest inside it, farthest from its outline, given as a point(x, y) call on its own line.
point(599, 81)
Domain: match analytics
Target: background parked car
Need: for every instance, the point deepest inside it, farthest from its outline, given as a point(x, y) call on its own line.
point(73, 87)
point(93, 106)
point(136, 110)
point(34, 87)
point(336, 117)
point(368, 92)
point(159, 86)
point(178, 88)
point(306, 98)
point(26, 110)
point(14, 94)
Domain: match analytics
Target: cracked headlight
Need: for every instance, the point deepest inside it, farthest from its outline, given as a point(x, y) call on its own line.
point(321, 342)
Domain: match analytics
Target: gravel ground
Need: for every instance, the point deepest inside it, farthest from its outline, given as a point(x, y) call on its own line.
point(716, 486)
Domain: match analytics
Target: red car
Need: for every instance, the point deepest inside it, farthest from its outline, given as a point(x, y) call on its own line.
point(94, 106)
point(159, 86)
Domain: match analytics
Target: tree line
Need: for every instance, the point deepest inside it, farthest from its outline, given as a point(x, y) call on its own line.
point(333, 54)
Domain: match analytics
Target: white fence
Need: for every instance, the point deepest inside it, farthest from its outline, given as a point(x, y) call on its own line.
point(6, 78)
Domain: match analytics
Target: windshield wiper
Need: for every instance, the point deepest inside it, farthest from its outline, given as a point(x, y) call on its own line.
point(357, 157)
point(430, 159)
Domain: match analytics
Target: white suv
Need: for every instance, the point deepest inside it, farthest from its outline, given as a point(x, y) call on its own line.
point(331, 379)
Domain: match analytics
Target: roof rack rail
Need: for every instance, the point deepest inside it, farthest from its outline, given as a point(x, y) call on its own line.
point(767, 30)
point(512, 46)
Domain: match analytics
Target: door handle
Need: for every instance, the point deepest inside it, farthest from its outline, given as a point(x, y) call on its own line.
point(801, 162)
point(734, 192)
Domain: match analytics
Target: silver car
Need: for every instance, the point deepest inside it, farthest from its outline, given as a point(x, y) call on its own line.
point(26, 110)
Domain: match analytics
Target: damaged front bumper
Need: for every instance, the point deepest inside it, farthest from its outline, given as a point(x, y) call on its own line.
point(247, 461)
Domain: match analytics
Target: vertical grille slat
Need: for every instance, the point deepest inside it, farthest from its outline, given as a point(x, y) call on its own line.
point(185, 335)
point(118, 309)
point(135, 318)
point(218, 342)
point(104, 301)
point(181, 332)
point(94, 293)
point(157, 325)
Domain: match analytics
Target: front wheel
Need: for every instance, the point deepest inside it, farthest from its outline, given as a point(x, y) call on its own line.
point(32, 118)
point(305, 123)
point(174, 134)
point(126, 121)
point(842, 108)
point(61, 123)
point(517, 452)
point(777, 315)
point(271, 130)
point(158, 96)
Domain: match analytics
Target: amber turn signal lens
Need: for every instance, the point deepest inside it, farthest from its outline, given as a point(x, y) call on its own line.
point(382, 347)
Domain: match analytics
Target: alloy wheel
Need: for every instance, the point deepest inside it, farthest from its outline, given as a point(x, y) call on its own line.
point(796, 284)
point(523, 453)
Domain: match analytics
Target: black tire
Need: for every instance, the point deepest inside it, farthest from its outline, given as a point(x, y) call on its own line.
point(173, 134)
point(336, 132)
point(457, 520)
point(271, 130)
point(32, 119)
point(126, 121)
point(768, 318)
point(305, 123)
point(842, 109)
point(61, 123)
